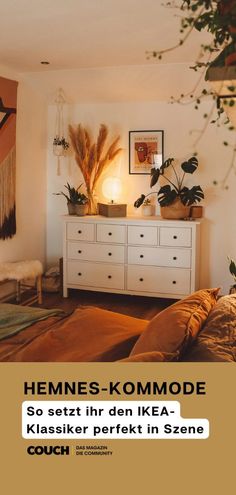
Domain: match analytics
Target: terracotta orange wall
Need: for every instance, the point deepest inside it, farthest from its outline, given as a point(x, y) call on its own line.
point(31, 133)
point(8, 93)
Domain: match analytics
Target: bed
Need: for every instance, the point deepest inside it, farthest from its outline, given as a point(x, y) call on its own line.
point(201, 327)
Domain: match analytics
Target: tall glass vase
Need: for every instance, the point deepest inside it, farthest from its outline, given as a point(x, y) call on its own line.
point(92, 203)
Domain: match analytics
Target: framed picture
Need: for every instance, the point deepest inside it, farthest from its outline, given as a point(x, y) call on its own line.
point(145, 151)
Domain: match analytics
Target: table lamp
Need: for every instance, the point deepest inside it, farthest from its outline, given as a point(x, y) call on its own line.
point(111, 189)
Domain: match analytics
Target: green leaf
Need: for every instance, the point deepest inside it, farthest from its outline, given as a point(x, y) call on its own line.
point(191, 196)
point(139, 201)
point(231, 88)
point(155, 174)
point(166, 164)
point(190, 166)
point(166, 195)
point(232, 267)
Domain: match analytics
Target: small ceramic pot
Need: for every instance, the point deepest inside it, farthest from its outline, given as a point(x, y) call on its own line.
point(58, 150)
point(147, 210)
point(196, 211)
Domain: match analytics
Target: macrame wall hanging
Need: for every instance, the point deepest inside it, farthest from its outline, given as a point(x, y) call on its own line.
point(60, 143)
point(8, 98)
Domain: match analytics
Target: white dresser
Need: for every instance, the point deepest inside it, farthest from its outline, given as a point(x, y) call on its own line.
point(131, 255)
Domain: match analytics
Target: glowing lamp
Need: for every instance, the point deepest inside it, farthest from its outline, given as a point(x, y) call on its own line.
point(111, 189)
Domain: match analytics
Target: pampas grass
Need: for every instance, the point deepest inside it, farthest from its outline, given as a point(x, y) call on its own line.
point(91, 158)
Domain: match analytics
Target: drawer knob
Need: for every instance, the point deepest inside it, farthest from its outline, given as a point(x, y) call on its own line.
point(79, 231)
point(79, 251)
point(174, 282)
point(175, 237)
point(109, 233)
point(79, 274)
point(141, 256)
point(109, 276)
point(141, 235)
point(174, 257)
point(141, 280)
point(109, 254)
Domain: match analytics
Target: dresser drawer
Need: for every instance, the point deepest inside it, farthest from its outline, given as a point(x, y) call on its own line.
point(157, 256)
point(174, 236)
point(95, 252)
point(81, 231)
point(142, 235)
point(111, 233)
point(155, 279)
point(95, 274)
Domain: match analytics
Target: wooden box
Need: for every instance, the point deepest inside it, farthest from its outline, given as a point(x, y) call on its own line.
point(112, 210)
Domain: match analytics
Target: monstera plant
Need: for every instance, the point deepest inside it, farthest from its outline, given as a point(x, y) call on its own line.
point(174, 193)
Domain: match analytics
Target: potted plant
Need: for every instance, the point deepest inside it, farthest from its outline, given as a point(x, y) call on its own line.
point(232, 269)
point(77, 202)
point(60, 146)
point(147, 207)
point(174, 198)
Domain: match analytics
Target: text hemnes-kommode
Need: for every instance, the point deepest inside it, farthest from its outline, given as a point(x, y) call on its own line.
point(131, 255)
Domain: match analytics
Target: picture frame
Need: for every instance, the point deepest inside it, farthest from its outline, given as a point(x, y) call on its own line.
point(146, 150)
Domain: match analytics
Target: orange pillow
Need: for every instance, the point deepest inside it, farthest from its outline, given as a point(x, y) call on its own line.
point(154, 356)
point(178, 325)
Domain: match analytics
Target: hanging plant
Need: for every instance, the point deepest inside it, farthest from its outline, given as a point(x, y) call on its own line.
point(218, 17)
point(60, 143)
point(60, 146)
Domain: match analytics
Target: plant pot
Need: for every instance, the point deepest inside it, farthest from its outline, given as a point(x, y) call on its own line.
point(175, 211)
point(147, 210)
point(58, 150)
point(81, 210)
point(232, 289)
point(71, 208)
point(196, 211)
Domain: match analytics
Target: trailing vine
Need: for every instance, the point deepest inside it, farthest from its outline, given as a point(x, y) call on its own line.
point(218, 17)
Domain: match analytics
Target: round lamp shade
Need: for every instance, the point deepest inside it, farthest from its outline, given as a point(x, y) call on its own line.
point(111, 188)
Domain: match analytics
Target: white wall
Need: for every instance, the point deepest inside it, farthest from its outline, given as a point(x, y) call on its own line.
point(31, 138)
point(218, 226)
point(35, 131)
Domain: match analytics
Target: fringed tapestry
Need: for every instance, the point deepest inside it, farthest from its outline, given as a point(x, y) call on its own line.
point(8, 97)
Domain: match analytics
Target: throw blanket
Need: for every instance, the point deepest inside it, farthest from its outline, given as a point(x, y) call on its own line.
point(13, 318)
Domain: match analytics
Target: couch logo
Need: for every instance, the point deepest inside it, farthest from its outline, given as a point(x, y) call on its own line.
point(48, 450)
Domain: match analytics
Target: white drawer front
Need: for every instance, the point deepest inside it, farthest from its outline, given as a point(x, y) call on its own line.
point(111, 233)
point(95, 275)
point(170, 257)
point(95, 252)
point(171, 236)
point(81, 231)
point(142, 235)
point(155, 279)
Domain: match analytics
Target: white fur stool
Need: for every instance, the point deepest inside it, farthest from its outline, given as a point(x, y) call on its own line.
point(20, 272)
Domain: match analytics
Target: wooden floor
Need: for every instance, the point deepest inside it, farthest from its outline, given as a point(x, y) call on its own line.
point(139, 307)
